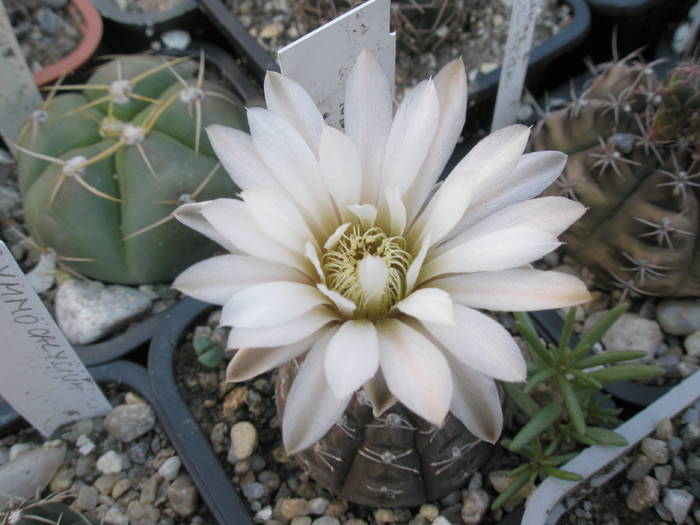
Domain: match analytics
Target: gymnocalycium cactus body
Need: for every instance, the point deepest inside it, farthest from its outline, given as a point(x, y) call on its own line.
point(634, 146)
point(101, 171)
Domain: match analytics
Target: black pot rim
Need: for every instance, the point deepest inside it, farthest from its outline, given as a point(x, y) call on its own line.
point(622, 8)
point(108, 9)
point(182, 428)
point(122, 344)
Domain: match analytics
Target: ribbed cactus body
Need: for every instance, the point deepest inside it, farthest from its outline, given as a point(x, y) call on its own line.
point(395, 460)
point(638, 177)
point(152, 163)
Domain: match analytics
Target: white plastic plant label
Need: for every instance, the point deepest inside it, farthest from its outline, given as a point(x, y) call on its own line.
point(41, 376)
point(321, 60)
point(521, 29)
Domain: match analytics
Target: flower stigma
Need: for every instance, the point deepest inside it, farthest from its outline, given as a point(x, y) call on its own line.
point(342, 268)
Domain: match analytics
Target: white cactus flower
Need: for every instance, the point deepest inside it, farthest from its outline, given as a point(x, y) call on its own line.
point(343, 249)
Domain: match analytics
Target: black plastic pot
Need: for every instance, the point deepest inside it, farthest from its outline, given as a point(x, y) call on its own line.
point(238, 38)
point(551, 62)
point(182, 428)
point(131, 31)
point(626, 393)
point(638, 24)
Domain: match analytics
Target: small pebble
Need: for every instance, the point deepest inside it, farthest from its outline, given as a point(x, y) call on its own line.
point(429, 512)
point(644, 494)
point(476, 503)
point(317, 506)
point(183, 496)
point(678, 503)
point(655, 449)
point(170, 468)
point(244, 438)
point(664, 429)
point(110, 462)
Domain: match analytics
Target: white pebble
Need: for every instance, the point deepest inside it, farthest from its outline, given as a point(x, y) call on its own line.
point(170, 468)
point(110, 463)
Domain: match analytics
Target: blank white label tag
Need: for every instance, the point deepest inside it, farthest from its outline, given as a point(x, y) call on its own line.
point(41, 376)
point(521, 29)
point(321, 60)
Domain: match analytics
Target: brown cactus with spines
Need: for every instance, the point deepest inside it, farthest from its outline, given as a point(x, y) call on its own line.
point(395, 460)
point(634, 160)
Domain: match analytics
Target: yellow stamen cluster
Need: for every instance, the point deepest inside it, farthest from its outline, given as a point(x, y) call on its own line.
point(341, 267)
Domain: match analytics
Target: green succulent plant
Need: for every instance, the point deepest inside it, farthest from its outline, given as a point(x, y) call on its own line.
point(562, 399)
point(100, 171)
point(634, 160)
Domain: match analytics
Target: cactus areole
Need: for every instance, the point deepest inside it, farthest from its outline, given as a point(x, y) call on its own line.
point(634, 146)
point(101, 171)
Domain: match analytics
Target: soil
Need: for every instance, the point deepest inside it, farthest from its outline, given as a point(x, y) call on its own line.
point(430, 33)
point(147, 6)
point(45, 34)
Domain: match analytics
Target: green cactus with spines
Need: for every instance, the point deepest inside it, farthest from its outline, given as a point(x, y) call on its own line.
point(102, 170)
point(634, 161)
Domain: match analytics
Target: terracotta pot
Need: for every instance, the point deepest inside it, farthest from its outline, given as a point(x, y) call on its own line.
point(91, 28)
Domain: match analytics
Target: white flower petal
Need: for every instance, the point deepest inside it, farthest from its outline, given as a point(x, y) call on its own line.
point(311, 408)
point(416, 265)
point(549, 214)
point(368, 116)
point(284, 334)
point(293, 165)
point(217, 279)
point(232, 219)
point(345, 306)
point(411, 134)
point(336, 236)
point(415, 371)
point(475, 401)
point(378, 394)
point(493, 157)
point(191, 216)
point(365, 212)
point(515, 290)
point(312, 255)
point(480, 343)
point(429, 304)
point(289, 100)
point(531, 176)
point(451, 85)
point(270, 304)
point(239, 157)
point(498, 250)
point(352, 357)
point(373, 275)
point(391, 216)
point(251, 362)
point(278, 217)
point(341, 168)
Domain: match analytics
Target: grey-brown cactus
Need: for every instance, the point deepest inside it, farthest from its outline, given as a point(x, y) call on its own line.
point(394, 460)
point(634, 160)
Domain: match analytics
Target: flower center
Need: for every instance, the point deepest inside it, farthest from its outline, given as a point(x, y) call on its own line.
point(342, 268)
